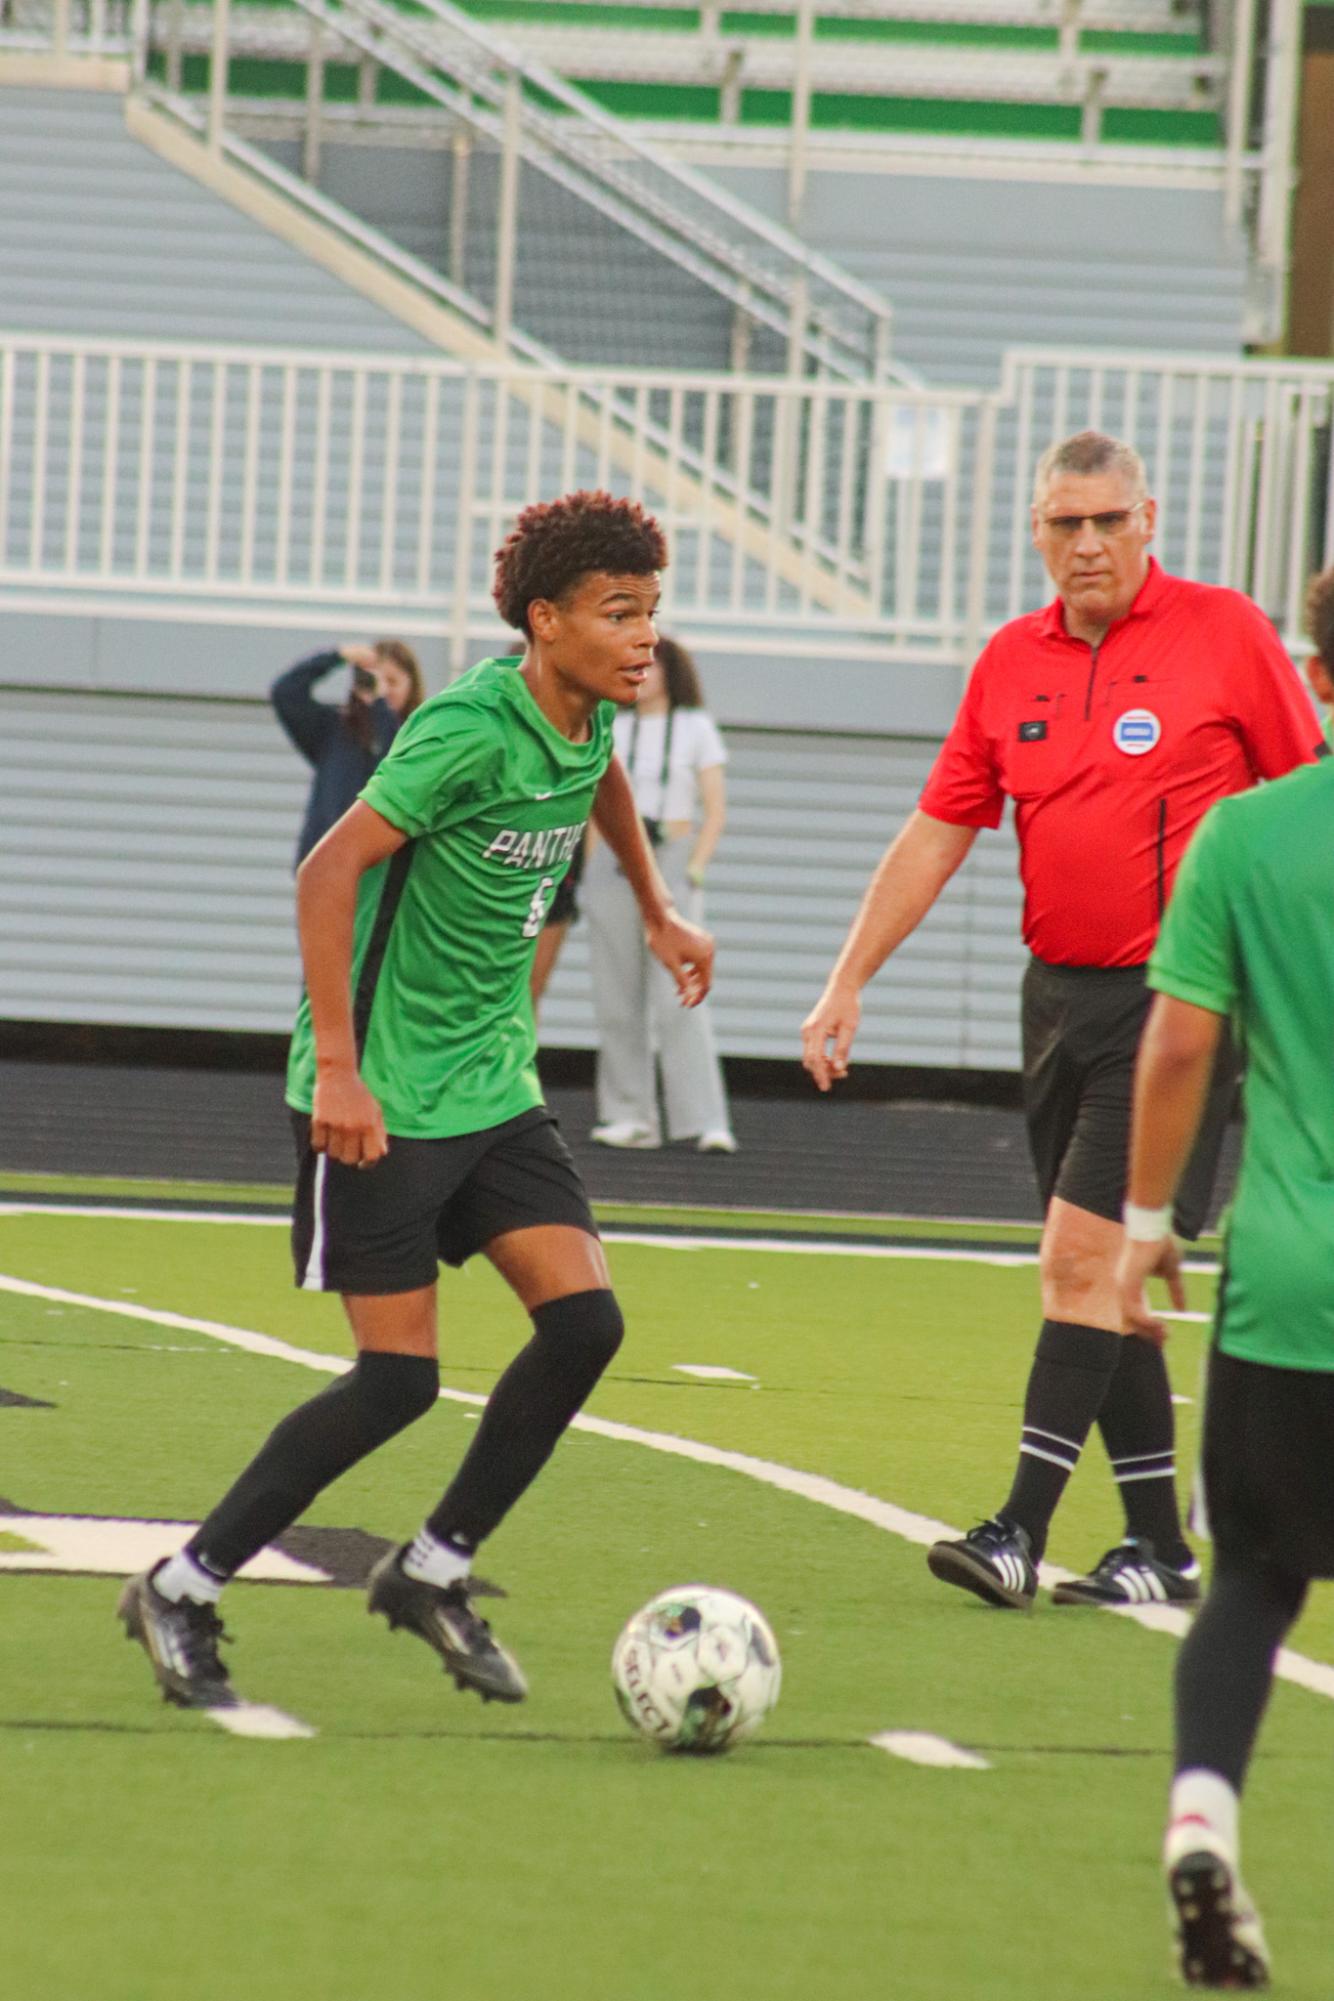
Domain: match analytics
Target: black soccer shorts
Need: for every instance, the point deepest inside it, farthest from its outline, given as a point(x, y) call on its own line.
point(1267, 1463)
point(1081, 1031)
point(383, 1229)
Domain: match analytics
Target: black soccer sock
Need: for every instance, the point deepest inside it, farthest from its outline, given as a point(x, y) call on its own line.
point(1072, 1367)
point(1225, 1668)
point(379, 1396)
point(574, 1339)
point(1139, 1432)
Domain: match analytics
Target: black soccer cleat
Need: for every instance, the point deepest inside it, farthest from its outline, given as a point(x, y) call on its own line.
point(444, 1618)
point(181, 1641)
point(1219, 1940)
point(994, 1561)
point(1131, 1574)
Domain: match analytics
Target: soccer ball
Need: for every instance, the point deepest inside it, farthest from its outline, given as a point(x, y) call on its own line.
point(696, 1669)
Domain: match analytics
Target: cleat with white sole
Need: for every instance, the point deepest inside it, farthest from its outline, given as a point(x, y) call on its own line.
point(1219, 1940)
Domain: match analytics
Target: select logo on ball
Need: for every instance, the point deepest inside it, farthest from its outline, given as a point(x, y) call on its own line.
point(1136, 731)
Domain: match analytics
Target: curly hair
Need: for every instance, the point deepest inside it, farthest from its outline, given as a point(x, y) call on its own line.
point(1320, 616)
point(557, 543)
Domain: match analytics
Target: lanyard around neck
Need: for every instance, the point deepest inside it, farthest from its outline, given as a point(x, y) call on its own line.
point(665, 773)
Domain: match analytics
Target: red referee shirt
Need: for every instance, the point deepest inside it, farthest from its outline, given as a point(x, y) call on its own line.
point(1113, 754)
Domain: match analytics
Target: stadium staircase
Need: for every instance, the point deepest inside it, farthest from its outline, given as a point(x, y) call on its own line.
point(1119, 150)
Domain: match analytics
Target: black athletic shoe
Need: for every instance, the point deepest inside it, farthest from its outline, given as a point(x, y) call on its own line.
point(444, 1618)
point(1131, 1574)
point(994, 1561)
point(181, 1641)
point(1219, 1939)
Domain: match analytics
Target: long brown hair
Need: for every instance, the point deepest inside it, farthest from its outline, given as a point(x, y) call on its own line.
point(357, 714)
point(679, 674)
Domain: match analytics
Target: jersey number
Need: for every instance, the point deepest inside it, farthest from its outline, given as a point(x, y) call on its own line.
point(537, 909)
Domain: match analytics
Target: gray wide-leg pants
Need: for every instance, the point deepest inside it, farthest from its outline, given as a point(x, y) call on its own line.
point(638, 1013)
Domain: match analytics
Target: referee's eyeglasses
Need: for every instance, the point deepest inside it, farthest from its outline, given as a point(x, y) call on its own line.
point(1067, 527)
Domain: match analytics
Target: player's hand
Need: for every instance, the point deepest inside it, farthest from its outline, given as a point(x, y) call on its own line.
point(834, 1020)
point(1137, 1264)
point(346, 1121)
point(357, 655)
point(686, 950)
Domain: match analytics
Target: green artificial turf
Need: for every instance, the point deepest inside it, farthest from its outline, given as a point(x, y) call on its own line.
point(422, 1844)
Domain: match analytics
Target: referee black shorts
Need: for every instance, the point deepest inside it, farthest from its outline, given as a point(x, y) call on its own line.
point(1081, 1030)
point(382, 1229)
point(1267, 1464)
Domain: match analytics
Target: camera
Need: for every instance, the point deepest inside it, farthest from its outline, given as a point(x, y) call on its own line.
point(364, 681)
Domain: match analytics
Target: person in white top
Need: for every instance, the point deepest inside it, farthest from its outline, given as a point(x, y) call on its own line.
point(671, 749)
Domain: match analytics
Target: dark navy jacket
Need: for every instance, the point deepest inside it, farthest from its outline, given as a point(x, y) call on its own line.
point(324, 740)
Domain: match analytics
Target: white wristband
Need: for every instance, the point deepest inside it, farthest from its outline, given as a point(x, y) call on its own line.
point(1146, 1226)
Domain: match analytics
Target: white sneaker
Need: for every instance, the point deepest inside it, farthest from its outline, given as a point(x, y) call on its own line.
point(1218, 1935)
point(624, 1132)
point(718, 1140)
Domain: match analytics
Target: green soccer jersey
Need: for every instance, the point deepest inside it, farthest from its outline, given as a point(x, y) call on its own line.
point(1249, 932)
point(494, 801)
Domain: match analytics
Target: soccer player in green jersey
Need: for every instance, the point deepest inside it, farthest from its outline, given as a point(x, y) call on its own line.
point(418, 1115)
point(1249, 934)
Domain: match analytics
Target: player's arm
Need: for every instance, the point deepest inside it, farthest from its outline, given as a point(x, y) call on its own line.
point(911, 875)
point(683, 948)
point(1172, 1072)
point(346, 1121)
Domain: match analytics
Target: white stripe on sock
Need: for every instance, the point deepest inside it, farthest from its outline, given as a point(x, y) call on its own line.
point(1036, 1431)
point(1052, 1459)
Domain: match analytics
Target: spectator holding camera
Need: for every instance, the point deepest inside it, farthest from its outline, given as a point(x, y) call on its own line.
point(670, 746)
point(345, 743)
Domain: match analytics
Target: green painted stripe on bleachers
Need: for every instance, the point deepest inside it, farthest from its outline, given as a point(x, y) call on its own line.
point(964, 34)
point(696, 104)
point(957, 117)
point(591, 14)
point(1002, 35)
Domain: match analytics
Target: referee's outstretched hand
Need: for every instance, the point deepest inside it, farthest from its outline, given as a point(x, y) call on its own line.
point(346, 1121)
point(827, 1033)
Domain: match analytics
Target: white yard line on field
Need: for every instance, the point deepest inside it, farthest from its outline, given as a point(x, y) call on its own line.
point(259, 1719)
point(919, 1747)
point(614, 1234)
point(1317, 1676)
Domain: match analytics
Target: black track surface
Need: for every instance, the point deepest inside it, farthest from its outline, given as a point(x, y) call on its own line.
point(901, 1158)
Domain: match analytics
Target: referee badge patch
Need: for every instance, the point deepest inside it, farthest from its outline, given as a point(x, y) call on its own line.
point(1136, 731)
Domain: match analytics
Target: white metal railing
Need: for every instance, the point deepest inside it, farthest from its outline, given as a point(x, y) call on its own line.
point(1260, 127)
point(96, 28)
point(285, 485)
point(502, 102)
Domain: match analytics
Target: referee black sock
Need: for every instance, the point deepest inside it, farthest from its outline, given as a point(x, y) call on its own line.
point(574, 1338)
point(1138, 1430)
point(1072, 1368)
point(1225, 1668)
point(379, 1396)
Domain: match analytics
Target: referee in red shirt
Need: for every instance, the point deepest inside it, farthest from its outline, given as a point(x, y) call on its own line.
point(1113, 719)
